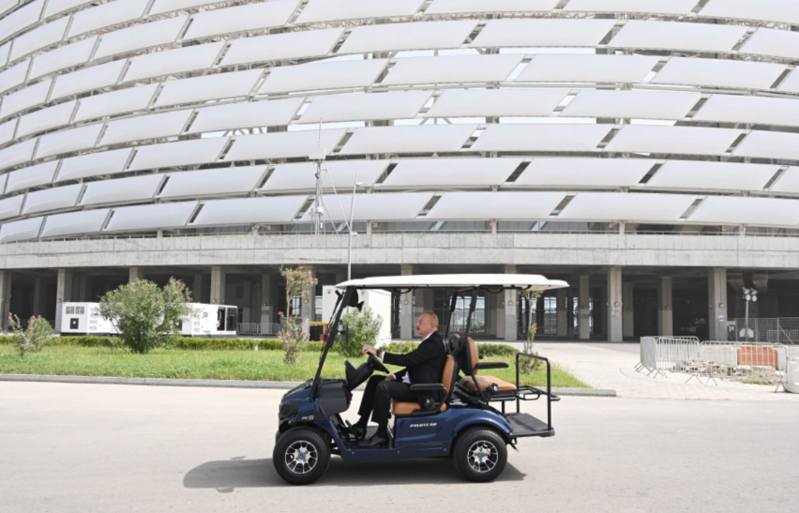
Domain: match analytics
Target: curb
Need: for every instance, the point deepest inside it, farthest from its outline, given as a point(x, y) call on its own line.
point(221, 383)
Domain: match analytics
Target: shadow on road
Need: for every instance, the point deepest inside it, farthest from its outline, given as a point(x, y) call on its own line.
point(225, 476)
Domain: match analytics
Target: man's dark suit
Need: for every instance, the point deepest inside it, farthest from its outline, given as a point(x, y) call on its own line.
point(423, 365)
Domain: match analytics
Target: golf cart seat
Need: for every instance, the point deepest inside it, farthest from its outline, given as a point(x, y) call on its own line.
point(482, 381)
point(407, 408)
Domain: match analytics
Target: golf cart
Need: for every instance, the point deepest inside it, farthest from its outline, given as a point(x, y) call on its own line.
point(464, 426)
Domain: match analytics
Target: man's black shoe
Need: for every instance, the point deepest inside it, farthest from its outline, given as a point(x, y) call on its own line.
point(358, 431)
point(374, 442)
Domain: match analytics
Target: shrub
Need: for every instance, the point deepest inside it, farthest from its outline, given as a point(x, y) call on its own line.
point(181, 343)
point(401, 347)
point(291, 334)
point(529, 365)
point(487, 349)
point(146, 315)
point(363, 328)
point(32, 338)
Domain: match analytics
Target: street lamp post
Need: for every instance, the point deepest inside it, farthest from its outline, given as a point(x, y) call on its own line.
point(749, 295)
point(355, 186)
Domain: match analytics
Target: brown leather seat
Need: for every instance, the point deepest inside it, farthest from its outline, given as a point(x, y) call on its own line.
point(483, 381)
point(406, 408)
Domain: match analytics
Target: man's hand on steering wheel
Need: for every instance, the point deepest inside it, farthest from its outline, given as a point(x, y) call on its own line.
point(368, 349)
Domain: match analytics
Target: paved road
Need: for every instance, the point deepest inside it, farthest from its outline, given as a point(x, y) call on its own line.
point(106, 448)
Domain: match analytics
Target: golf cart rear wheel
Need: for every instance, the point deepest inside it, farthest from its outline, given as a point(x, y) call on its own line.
point(480, 454)
point(301, 456)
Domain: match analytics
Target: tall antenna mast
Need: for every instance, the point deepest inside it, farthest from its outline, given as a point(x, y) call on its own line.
point(318, 211)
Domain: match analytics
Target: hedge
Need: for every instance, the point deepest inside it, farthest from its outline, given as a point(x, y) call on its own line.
point(489, 349)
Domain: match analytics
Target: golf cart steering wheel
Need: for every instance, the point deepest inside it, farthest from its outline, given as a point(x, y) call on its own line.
point(376, 364)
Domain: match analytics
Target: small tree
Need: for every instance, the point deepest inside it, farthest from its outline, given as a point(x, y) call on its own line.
point(145, 315)
point(31, 339)
point(528, 365)
point(291, 333)
point(363, 328)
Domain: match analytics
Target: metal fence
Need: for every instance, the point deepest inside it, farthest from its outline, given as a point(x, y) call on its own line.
point(258, 328)
point(748, 362)
point(783, 330)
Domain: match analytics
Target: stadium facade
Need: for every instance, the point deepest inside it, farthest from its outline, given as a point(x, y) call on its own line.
point(645, 151)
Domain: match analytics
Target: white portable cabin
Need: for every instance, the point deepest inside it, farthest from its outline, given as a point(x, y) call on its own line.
point(206, 320)
point(379, 301)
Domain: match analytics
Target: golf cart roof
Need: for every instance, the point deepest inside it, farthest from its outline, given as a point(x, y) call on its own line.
point(457, 281)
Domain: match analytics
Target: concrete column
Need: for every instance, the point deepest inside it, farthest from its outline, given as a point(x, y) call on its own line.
point(665, 308)
point(135, 273)
point(584, 312)
point(5, 297)
point(63, 295)
point(406, 308)
point(615, 324)
point(217, 285)
point(266, 299)
point(308, 304)
point(511, 308)
point(717, 296)
point(628, 321)
point(197, 293)
point(563, 318)
point(38, 296)
point(80, 288)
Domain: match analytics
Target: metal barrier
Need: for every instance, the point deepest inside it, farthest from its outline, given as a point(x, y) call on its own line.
point(258, 328)
point(660, 354)
point(783, 330)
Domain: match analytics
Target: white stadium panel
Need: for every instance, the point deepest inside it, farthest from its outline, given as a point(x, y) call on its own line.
point(449, 173)
point(631, 104)
point(57, 6)
point(115, 102)
point(4, 52)
point(588, 68)
point(7, 5)
point(495, 205)
point(40, 120)
point(106, 15)
point(783, 11)
point(145, 127)
point(632, 6)
point(7, 130)
point(52, 199)
point(17, 154)
point(779, 43)
point(210, 87)
point(121, 190)
point(751, 211)
point(150, 217)
point(25, 98)
point(290, 45)
point(408, 36)
point(357, 107)
point(280, 209)
point(788, 182)
point(676, 140)
point(769, 145)
point(168, 62)
point(13, 76)
point(719, 73)
point(452, 69)
point(68, 140)
point(40, 37)
point(284, 144)
point(31, 176)
point(323, 75)
point(543, 33)
point(10, 207)
point(183, 153)
point(334, 10)
point(245, 115)
point(339, 174)
point(608, 206)
point(408, 139)
point(481, 6)
point(87, 79)
point(241, 18)
point(227, 180)
point(140, 36)
point(64, 57)
point(377, 207)
point(542, 137)
point(700, 175)
point(496, 102)
point(750, 109)
point(791, 84)
point(94, 164)
point(21, 230)
point(20, 19)
point(73, 223)
point(3, 180)
point(583, 172)
point(162, 6)
point(668, 35)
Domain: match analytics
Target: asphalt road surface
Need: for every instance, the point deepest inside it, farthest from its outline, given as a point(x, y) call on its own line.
point(107, 448)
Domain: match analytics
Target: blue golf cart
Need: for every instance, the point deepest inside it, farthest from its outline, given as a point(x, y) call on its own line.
point(470, 425)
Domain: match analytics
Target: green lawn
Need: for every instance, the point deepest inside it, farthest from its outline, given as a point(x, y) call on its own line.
point(188, 364)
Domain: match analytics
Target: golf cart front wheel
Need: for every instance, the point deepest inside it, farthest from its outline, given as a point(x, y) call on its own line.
point(480, 454)
point(301, 456)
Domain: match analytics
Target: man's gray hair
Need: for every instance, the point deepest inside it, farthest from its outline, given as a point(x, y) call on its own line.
point(432, 316)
